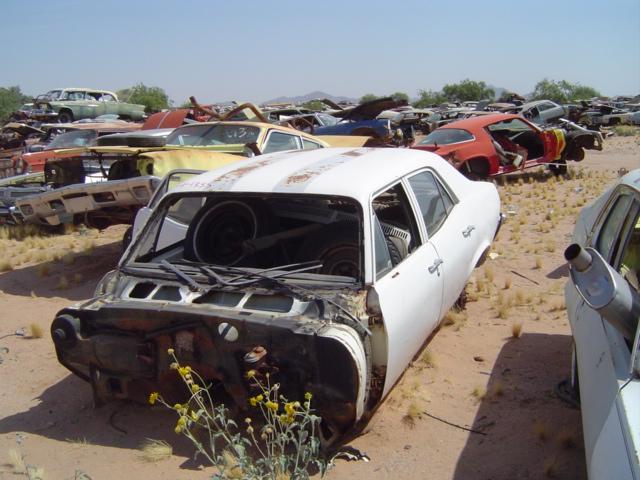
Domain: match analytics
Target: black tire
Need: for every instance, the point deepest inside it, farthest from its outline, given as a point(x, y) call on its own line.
point(127, 237)
point(218, 231)
point(336, 246)
point(65, 116)
point(559, 167)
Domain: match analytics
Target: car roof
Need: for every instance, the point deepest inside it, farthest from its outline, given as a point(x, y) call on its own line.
point(326, 171)
point(83, 89)
point(243, 123)
point(480, 121)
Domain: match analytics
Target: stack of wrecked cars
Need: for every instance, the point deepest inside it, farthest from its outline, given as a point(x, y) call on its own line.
point(106, 184)
point(284, 266)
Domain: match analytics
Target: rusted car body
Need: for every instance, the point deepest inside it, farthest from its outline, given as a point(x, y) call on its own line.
point(495, 144)
point(282, 265)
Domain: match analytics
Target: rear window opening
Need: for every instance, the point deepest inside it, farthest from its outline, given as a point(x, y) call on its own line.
point(447, 136)
point(262, 232)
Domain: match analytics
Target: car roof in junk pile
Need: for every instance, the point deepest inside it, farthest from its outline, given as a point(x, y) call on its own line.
point(348, 172)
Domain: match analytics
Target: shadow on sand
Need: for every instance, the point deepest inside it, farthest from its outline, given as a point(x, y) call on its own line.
point(81, 275)
point(65, 412)
point(520, 394)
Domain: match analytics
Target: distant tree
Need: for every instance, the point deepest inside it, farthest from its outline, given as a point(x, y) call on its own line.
point(368, 97)
point(562, 91)
point(315, 105)
point(467, 90)
point(429, 98)
point(400, 97)
point(11, 98)
point(186, 104)
point(154, 99)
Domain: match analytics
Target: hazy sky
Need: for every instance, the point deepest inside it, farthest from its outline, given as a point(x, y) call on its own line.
point(257, 50)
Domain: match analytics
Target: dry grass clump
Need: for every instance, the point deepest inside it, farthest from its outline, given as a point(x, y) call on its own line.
point(479, 392)
point(557, 306)
point(497, 389)
point(540, 430)
point(155, 450)
point(516, 329)
point(35, 330)
point(43, 270)
point(427, 359)
point(63, 283)
point(414, 413)
point(489, 273)
point(549, 468)
point(519, 297)
point(455, 318)
point(566, 439)
point(538, 263)
point(5, 265)
point(507, 283)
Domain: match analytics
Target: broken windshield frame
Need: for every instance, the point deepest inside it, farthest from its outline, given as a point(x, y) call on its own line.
point(147, 251)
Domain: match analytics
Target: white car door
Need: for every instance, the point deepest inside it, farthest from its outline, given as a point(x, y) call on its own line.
point(604, 356)
point(409, 283)
point(450, 229)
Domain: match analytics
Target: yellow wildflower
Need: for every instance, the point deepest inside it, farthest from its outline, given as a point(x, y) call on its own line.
point(251, 373)
point(195, 388)
point(153, 397)
point(259, 397)
point(182, 421)
point(249, 429)
point(308, 396)
point(253, 402)
point(273, 406)
point(289, 408)
point(170, 351)
point(182, 371)
point(177, 406)
point(174, 366)
point(247, 420)
point(194, 416)
point(178, 429)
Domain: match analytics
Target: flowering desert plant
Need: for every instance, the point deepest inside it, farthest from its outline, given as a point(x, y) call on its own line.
point(283, 444)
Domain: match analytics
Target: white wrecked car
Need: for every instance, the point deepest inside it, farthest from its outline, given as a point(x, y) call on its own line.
point(327, 269)
point(603, 305)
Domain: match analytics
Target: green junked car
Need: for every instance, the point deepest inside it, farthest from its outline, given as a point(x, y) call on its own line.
point(70, 104)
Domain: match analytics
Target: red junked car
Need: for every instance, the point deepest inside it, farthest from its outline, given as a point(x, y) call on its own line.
point(490, 145)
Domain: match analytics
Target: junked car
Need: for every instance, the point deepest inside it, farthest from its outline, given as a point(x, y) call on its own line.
point(499, 143)
point(68, 104)
point(283, 265)
point(603, 306)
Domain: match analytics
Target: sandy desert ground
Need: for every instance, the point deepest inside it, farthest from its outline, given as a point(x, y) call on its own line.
point(474, 373)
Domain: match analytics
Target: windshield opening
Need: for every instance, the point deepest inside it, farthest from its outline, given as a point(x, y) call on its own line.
point(255, 232)
point(217, 134)
point(78, 138)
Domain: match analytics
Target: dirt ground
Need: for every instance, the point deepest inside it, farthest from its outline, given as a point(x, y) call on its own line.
point(474, 374)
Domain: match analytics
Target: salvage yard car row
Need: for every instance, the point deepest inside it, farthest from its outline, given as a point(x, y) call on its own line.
point(252, 247)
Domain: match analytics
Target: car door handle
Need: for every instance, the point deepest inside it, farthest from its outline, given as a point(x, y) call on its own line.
point(434, 268)
point(467, 231)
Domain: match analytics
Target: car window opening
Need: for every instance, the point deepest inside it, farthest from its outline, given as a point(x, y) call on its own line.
point(259, 232)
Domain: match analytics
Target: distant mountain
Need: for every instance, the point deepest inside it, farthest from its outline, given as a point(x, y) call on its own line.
point(310, 96)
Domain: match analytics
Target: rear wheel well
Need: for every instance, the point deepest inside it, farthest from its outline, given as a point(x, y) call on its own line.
point(476, 168)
